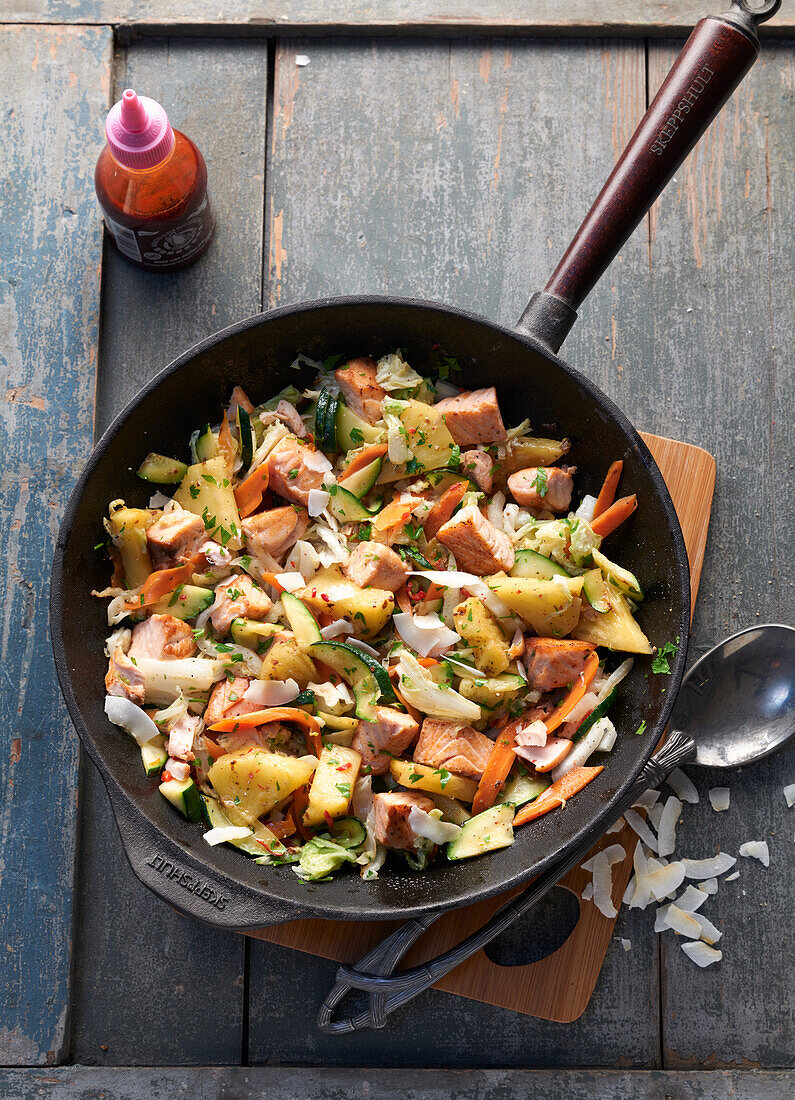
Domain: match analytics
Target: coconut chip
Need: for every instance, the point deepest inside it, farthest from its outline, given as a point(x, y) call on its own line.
point(603, 885)
point(587, 893)
point(719, 797)
point(732, 878)
point(615, 853)
point(626, 944)
point(639, 826)
point(666, 834)
point(710, 885)
point(789, 794)
point(691, 899)
point(682, 786)
point(709, 868)
point(665, 881)
point(701, 954)
point(646, 800)
point(616, 828)
point(756, 849)
point(709, 933)
point(671, 916)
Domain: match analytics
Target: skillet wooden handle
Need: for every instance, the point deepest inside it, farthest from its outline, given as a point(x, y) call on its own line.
point(714, 60)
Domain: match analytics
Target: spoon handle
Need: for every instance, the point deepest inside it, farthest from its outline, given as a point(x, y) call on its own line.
point(389, 993)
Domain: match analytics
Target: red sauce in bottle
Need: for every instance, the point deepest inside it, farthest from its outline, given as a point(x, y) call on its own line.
point(151, 182)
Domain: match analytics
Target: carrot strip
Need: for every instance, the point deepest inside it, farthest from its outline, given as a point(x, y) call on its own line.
point(300, 803)
point(239, 398)
point(579, 688)
point(281, 829)
point(248, 494)
point(362, 459)
point(614, 516)
point(403, 601)
point(607, 494)
point(444, 508)
point(557, 795)
point(226, 444)
point(261, 717)
point(501, 760)
point(395, 514)
point(160, 584)
point(271, 579)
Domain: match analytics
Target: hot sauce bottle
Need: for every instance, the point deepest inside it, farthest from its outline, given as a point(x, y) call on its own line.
point(151, 182)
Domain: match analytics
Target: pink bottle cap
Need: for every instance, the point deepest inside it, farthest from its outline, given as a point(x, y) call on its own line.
point(138, 131)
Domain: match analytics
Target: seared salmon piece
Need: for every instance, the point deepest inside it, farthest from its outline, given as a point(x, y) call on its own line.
point(386, 737)
point(554, 662)
point(478, 466)
point(238, 598)
point(479, 547)
point(543, 487)
point(391, 811)
point(275, 531)
point(362, 393)
point(175, 538)
point(453, 746)
point(226, 700)
point(473, 417)
point(181, 737)
point(263, 737)
point(294, 469)
point(124, 679)
point(374, 565)
point(162, 637)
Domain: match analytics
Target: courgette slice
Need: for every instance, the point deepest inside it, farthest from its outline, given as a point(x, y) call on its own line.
point(215, 818)
point(254, 635)
point(348, 832)
point(346, 507)
point(302, 622)
point(462, 669)
point(351, 431)
point(485, 832)
point(325, 421)
point(183, 794)
point(356, 671)
point(624, 581)
point(203, 444)
point(161, 470)
point(339, 723)
point(598, 712)
point(529, 563)
point(246, 437)
point(185, 602)
point(595, 590)
point(361, 482)
point(523, 788)
point(154, 756)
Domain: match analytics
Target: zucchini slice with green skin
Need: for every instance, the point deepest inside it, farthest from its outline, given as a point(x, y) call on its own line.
point(485, 832)
point(348, 832)
point(351, 431)
point(305, 698)
point(363, 480)
point(246, 436)
point(154, 756)
point(347, 508)
point(160, 470)
point(624, 581)
point(215, 818)
point(598, 712)
point(594, 588)
point(185, 602)
point(326, 421)
point(529, 563)
point(203, 444)
point(357, 672)
point(183, 794)
point(410, 553)
point(302, 622)
point(523, 788)
point(380, 673)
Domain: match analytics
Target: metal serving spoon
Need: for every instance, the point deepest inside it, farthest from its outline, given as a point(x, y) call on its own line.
point(736, 706)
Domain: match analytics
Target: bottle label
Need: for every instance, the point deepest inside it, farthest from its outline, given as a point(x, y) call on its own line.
point(166, 247)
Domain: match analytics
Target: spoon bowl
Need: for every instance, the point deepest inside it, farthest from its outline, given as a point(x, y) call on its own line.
point(737, 702)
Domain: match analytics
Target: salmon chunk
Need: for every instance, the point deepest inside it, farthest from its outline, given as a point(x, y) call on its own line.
point(124, 679)
point(274, 531)
point(162, 637)
point(391, 811)
point(373, 565)
point(238, 598)
point(175, 538)
point(294, 469)
point(479, 547)
point(478, 467)
point(543, 487)
point(473, 417)
point(226, 700)
point(359, 388)
point(386, 737)
point(181, 737)
point(554, 662)
point(451, 745)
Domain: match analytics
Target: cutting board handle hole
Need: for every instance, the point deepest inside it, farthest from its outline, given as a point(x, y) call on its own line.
point(540, 932)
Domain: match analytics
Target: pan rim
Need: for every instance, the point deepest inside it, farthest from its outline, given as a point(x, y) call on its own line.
point(315, 907)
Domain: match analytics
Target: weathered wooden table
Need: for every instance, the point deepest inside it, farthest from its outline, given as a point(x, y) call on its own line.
point(445, 150)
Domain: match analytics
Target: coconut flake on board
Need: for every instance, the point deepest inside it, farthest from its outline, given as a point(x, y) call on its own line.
point(701, 954)
point(756, 849)
point(719, 798)
point(682, 786)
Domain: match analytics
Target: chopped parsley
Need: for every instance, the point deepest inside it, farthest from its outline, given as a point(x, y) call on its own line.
point(455, 457)
point(194, 491)
point(413, 466)
point(444, 776)
point(540, 481)
point(176, 595)
point(357, 435)
point(641, 728)
point(209, 479)
point(661, 663)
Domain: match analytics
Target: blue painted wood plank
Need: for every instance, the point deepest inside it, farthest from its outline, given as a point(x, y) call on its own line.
point(54, 86)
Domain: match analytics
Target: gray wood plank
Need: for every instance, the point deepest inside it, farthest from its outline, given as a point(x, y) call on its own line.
point(77, 1082)
point(636, 17)
point(457, 172)
point(53, 86)
point(718, 372)
point(151, 985)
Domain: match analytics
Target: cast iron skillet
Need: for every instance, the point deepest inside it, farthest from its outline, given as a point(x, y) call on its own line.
point(218, 885)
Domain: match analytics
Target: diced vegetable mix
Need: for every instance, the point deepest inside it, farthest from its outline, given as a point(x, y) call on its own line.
point(369, 620)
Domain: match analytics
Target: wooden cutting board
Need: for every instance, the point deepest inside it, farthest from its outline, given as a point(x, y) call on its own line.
point(559, 986)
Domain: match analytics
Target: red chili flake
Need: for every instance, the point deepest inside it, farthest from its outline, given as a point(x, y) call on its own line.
point(167, 776)
point(329, 818)
point(325, 597)
point(344, 767)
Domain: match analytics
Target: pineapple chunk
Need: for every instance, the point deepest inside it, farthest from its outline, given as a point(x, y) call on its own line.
point(419, 777)
point(286, 660)
point(366, 609)
point(551, 609)
point(127, 528)
point(252, 781)
point(477, 626)
point(332, 785)
point(527, 451)
point(207, 491)
point(616, 629)
point(428, 439)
